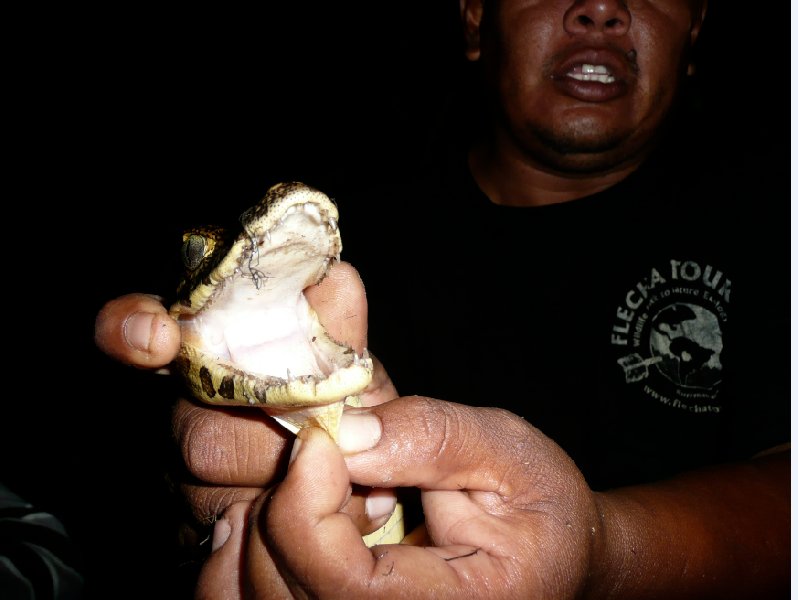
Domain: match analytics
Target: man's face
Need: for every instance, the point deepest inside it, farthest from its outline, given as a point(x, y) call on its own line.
point(582, 85)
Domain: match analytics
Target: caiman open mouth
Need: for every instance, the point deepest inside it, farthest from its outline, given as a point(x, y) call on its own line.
point(249, 335)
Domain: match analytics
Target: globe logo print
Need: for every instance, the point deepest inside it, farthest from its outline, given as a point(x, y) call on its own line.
point(687, 340)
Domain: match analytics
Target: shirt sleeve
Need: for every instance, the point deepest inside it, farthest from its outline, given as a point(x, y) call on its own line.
point(37, 557)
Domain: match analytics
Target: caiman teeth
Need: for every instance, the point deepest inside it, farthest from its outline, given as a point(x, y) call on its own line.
point(308, 208)
point(333, 223)
point(588, 72)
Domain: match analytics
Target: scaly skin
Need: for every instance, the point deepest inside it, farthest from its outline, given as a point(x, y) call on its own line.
point(249, 336)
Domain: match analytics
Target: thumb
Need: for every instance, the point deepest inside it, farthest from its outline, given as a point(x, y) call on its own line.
point(340, 301)
point(136, 329)
point(303, 520)
point(220, 576)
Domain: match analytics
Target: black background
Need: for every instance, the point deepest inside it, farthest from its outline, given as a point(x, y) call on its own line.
point(128, 123)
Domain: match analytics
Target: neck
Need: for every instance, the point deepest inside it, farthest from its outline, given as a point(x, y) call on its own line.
point(511, 179)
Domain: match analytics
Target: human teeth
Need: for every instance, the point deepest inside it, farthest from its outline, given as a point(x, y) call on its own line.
point(588, 72)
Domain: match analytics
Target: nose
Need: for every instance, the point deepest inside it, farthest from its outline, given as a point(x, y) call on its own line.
point(603, 16)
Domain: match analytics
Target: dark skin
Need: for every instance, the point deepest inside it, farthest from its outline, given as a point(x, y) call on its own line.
point(508, 513)
point(555, 138)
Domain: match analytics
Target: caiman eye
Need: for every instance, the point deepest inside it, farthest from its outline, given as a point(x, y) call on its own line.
point(195, 248)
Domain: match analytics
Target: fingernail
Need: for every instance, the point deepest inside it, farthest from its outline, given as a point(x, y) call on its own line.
point(138, 330)
point(380, 503)
point(359, 431)
point(221, 531)
point(295, 450)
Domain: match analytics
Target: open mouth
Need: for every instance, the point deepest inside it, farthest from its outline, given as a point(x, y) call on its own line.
point(588, 72)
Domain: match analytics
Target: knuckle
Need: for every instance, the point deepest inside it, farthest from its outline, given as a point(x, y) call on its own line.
point(442, 425)
point(500, 442)
point(202, 447)
point(228, 449)
point(208, 502)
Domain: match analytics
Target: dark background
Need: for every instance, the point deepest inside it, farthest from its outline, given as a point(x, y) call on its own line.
point(126, 125)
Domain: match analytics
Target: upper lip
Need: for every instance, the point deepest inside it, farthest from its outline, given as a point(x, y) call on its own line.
point(614, 59)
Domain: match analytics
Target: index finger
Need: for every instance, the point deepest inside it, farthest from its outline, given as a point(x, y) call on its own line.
point(136, 330)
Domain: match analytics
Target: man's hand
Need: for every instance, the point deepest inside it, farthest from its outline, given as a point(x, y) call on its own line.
point(508, 513)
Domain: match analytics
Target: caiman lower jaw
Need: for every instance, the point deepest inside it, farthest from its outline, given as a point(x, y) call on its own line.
point(273, 352)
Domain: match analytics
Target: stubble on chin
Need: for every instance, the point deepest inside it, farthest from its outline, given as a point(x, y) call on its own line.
point(577, 137)
point(578, 147)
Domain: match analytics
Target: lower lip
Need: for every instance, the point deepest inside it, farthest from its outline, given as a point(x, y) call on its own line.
point(590, 91)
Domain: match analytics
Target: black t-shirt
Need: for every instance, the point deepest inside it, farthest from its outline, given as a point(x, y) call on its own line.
point(645, 328)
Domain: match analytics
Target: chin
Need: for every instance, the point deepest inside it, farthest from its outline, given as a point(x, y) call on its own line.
point(578, 164)
point(583, 151)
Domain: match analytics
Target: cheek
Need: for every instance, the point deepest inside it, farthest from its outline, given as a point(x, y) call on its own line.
point(524, 37)
point(667, 81)
point(523, 67)
point(662, 65)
